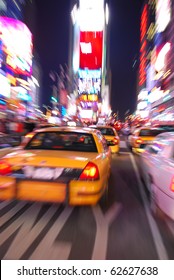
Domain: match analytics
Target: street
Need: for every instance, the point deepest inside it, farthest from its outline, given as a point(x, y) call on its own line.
point(120, 227)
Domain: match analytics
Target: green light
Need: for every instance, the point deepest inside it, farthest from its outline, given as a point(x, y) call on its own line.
point(53, 99)
point(166, 97)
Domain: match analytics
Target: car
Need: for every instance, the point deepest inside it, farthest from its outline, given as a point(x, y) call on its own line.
point(111, 137)
point(57, 164)
point(141, 137)
point(157, 172)
point(166, 127)
point(118, 126)
point(7, 142)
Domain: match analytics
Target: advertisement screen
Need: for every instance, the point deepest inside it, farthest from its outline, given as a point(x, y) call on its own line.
point(163, 14)
point(91, 50)
point(17, 44)
point(91, 16)
point(76, 48)
point(89, 81)
point(86, 114)
point(143, 47)
point(4, 86)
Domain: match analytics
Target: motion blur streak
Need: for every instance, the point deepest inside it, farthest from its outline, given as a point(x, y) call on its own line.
point(28, 230)
point(161, 251)
point(103, 222)
point(4, 204)
point(12, 212)
point(54, 250)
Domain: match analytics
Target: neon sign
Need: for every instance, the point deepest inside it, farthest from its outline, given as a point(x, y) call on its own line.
point(17, 44)
point(143, 31)
point(163, 14)
point(91, 50)
point(89, 97)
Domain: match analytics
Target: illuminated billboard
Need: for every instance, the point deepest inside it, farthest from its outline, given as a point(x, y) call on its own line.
point(89, 81)
point(143, 42)
point(91, 46)
point(86, 114)
point(17, 45)
point(161, 58)
point(4, 86)
point(163, 14)
point(91, 16)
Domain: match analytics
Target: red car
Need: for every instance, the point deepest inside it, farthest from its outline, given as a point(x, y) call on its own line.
point(118, 125)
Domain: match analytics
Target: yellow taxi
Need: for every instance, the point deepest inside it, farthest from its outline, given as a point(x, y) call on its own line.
point(57, 164)
point(141, 137)
point(111, 137)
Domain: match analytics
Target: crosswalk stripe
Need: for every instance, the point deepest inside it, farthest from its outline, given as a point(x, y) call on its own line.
point(8, 215)
point(4, 204)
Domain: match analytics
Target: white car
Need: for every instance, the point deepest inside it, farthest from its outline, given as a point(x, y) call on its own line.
point(157, 170)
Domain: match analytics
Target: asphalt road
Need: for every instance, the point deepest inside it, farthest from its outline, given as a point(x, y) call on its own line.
point(120, 227)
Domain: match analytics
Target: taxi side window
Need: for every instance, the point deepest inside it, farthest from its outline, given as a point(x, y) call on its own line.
point(154, 149)
point(103, 141)
point(100, 136)
point(167, 150)
point(37, 140)
point(105, 145)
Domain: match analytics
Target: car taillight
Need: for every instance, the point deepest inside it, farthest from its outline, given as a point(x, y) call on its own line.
point(5, 168)
point(172, 185)
point(90, 172)
point(116, 140)
point(139, 141)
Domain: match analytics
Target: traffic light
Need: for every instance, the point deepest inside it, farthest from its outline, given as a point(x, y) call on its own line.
point(53, 99)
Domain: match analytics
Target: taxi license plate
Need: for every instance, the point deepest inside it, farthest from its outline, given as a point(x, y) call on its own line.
point(43, 173)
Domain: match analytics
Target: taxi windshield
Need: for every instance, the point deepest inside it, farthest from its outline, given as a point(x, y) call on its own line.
point(106, 131)
point(150, 132)
point(62, 140)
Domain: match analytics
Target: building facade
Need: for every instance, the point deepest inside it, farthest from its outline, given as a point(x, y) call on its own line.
point(158, 68)
point(88, 61)
point(16, 59)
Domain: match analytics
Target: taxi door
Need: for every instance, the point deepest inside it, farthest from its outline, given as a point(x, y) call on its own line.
point(165, 175)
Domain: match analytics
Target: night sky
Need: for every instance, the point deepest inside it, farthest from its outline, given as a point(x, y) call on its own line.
point(52, 43)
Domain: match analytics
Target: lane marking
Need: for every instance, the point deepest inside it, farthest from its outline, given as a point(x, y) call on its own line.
point(4, 203)
point(7, 216)
point(102, 223)
point(160, 248)
point(47, 248)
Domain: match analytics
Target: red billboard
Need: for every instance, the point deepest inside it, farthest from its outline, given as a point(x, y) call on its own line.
point(91, 45)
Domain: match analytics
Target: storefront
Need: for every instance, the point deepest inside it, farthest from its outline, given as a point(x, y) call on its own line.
point(164, 111)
